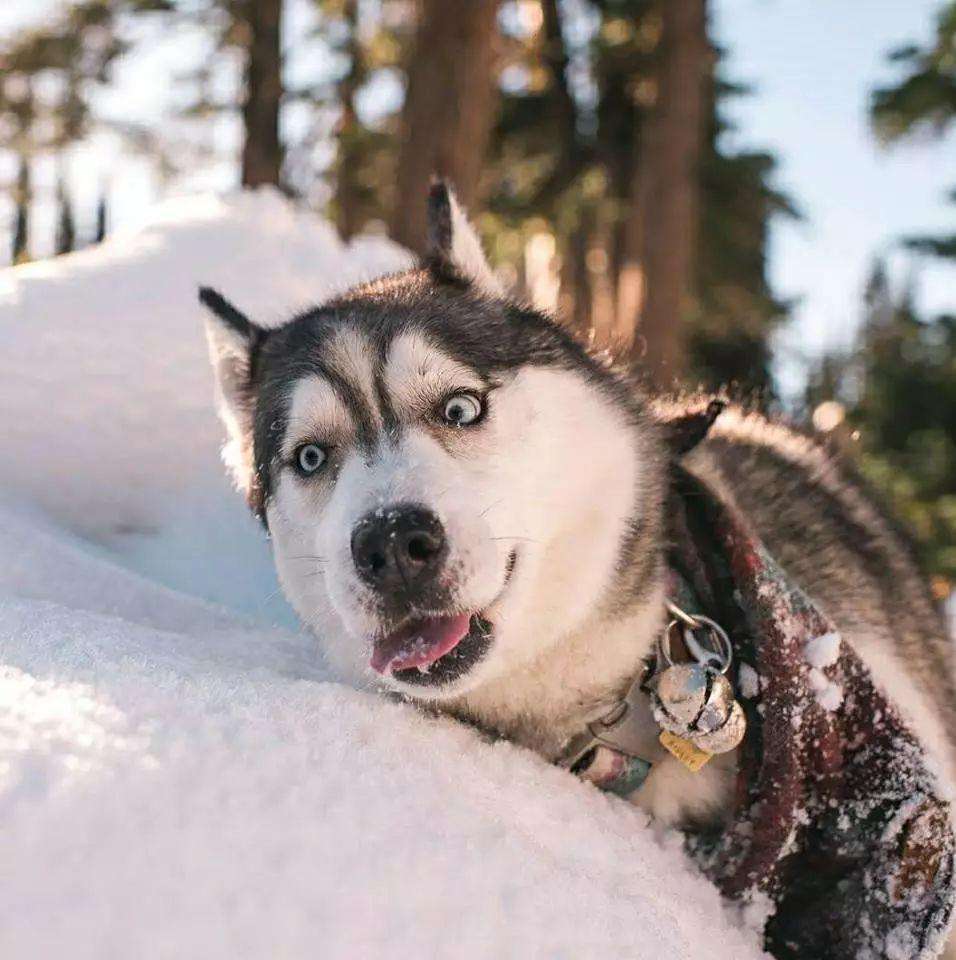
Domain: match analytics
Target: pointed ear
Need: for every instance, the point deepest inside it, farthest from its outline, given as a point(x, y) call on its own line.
point(453, 245)
point(233, 342)
point(686, 430)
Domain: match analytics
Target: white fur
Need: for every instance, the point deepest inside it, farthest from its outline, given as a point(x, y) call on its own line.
point(467, 253)
point(553, 474)
point(417, 374)
point(316, 413)
point(542, 476)
point(229, 353)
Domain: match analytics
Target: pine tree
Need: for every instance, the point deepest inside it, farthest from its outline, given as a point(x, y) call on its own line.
point(65, 226)
point(898, 388)
point(347, 186)
point(19, 252)
point(262, 152)
point(668, 199)
point(101, 219)
point(571, 153)
point(735, 312)
point(372, 41)
point(449, 109)
point(924, 99)
point(78, 47)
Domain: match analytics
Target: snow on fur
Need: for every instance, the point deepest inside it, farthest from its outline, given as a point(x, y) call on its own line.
point(180, 777)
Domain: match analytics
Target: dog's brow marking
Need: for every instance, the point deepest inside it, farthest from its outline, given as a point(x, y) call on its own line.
point(416, 371)
point(390, 421)
point(316, 411)
point(349, 363)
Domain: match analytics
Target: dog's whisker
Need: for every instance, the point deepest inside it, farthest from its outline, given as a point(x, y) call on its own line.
point(491, 507)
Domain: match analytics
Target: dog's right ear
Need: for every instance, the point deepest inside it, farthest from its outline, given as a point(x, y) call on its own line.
point(233, 342)
point(454, 248)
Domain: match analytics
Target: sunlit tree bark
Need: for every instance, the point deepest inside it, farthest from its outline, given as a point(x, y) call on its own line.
point(449, 108)
point(659, 264)
point(262, 152)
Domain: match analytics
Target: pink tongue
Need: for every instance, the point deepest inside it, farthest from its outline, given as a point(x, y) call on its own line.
point(419, 643)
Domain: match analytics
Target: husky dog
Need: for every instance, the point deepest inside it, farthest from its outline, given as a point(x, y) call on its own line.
point(469, 510)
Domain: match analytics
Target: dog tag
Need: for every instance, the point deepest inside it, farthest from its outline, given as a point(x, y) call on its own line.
point(686, 752)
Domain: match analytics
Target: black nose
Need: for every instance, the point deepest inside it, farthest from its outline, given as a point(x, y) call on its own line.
point(399, 550)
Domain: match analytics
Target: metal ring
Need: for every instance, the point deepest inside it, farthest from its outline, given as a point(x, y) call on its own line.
point(723, 651)
point(678, 614)
point(664, 643)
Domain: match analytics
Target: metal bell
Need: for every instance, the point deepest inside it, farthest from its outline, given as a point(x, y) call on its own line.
point(681, 691)
point(727, 737)
point(695, 701)
point(720, 701)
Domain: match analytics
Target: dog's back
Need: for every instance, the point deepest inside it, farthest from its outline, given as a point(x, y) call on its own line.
point(843, 551)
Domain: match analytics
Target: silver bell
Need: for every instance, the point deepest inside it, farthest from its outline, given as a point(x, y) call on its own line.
point(719, 703)
point(726, 737)
point(681, 691)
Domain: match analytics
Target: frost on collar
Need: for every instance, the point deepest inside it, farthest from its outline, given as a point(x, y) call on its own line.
point(840, 828)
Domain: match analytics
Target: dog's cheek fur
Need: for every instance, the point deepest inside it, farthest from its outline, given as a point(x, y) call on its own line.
point(564, 478)
point(328, 594)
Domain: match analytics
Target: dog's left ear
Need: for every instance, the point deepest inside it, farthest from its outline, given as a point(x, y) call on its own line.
point(233, 343)
point(454, 249)
point(687, 429)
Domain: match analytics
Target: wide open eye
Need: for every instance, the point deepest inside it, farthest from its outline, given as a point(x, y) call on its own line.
point(309, 457)
point(462, 409)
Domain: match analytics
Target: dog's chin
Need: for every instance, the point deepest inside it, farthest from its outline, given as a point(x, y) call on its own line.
point(433, 656)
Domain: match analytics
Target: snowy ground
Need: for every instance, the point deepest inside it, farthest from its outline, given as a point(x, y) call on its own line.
point(178, 776)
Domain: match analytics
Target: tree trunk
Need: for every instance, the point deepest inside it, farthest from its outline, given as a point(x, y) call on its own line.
point(19, 252)
point(449, 109)
point(262, 154)
point(65, 226)
point(347, 186)
point(101, 219)
point(658, 265)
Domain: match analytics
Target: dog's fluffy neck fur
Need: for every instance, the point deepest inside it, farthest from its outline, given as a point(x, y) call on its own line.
point(581, 677)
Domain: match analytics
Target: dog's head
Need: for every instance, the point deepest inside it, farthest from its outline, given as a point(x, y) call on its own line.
point(450, 482)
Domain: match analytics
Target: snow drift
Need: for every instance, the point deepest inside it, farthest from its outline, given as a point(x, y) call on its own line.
point(178, 775)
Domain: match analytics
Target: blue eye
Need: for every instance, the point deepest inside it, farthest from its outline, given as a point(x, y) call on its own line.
point(462, 409)
point(309, 457)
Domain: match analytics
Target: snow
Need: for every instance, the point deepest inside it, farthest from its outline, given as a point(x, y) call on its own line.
point(823, 651)
point(748, 681)
point(179, 775)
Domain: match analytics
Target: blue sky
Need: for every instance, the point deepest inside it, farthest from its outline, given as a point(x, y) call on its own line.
point(812, 64)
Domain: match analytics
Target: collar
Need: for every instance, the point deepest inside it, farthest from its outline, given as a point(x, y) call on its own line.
point(615, 751)
point(691, 719)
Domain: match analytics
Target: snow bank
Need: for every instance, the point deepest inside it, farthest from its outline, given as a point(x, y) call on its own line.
point(180, 777)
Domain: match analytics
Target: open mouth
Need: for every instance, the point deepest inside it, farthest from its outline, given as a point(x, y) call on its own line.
point(436, 650)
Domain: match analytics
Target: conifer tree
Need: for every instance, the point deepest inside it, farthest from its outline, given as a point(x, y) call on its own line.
point(101, 219)
point(922, 100)
point(65, 226)
point(571, 153)
point(450, 105)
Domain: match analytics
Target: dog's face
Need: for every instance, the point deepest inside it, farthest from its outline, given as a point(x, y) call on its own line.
point(448, 480)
